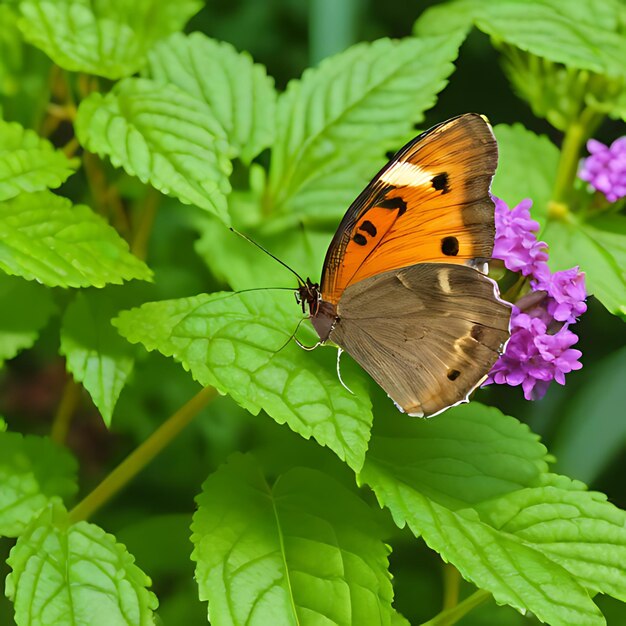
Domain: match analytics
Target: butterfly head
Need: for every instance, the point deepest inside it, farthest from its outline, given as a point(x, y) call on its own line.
point(308, 294)
point(323, 314)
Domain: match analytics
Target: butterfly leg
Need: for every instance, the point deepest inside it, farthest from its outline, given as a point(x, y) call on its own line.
point(339, 352)
point(308, 348)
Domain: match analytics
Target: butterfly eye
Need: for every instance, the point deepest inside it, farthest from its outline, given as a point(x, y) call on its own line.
point(450, 246)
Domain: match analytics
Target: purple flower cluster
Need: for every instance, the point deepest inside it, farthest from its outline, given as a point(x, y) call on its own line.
point(534, 357)
point(540, 348)
point(516, 243)
point(605, 168)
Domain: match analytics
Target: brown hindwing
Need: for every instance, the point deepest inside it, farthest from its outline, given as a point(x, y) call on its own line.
point(427, 334)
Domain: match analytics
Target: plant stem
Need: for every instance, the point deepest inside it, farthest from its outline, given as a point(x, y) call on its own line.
point(139, 243)
point(451, 584)
point(453, 615)
point(141, 456)
point(575, 136)
point(106, 199)
point(70, 148)
point(65, 411)
point(332, 27)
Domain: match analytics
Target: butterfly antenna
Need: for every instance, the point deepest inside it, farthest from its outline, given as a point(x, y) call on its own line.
point(292, 336)
point(258, 245)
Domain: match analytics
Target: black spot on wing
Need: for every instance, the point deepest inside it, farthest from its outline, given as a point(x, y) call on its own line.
point(359, 239)
point(453, 374)
point(450, 246)
point(476, 332)
point(393, 203)
point(369, 228)
point(440, 182)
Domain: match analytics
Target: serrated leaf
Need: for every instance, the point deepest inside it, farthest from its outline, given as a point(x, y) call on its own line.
point(467, 455)
point(584, 35)
point(599, 248)
point(575, 528)
point(527, 165)
point(64, 573)
point(335, 124)
point(44, 237)
point(33, 470)
point(397, 619)
point(164, 137)
point(240, 344)
point(20, 323)
point(499, 562)
point(109, 38)
point(28, 162)
point(96, 355)
point(592, 431)
point(301, 550)
point(239, 92)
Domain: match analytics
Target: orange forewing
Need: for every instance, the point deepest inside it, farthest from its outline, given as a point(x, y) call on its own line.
point(429, 204)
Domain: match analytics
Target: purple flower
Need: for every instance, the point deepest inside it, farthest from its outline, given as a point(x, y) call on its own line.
point(566, 292)
point(539, 350)
point(515, 241)
point(534, 357)
point(605, 168)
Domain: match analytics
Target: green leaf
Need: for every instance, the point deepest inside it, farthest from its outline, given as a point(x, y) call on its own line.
point(44, 238)
point(164, 137)
point(599, 248)
point(301, 550)
point(31, 308)
point(397, 619)
point(501, 563)
point(467, 455)
point(461, 19)
point(239, 92)
point(108, 39)
point(96, 355)
point(592, 430)
point(240, 344)
point(527, 165)
point(335, 124)
point(33, 470)
point(575, 528)
point(28, 162)
point(67, 573)
point(10, 52)
point(584, 35)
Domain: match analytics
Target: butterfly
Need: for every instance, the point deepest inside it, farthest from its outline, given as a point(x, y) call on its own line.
point(404, 289)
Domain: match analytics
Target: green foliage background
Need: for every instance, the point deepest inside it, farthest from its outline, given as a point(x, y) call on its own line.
point(133, 489)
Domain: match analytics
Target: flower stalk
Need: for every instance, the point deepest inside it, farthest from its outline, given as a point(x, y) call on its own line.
point(454, 614)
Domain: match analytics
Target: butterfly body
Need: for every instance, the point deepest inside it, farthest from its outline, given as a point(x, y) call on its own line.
point(401, 290)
